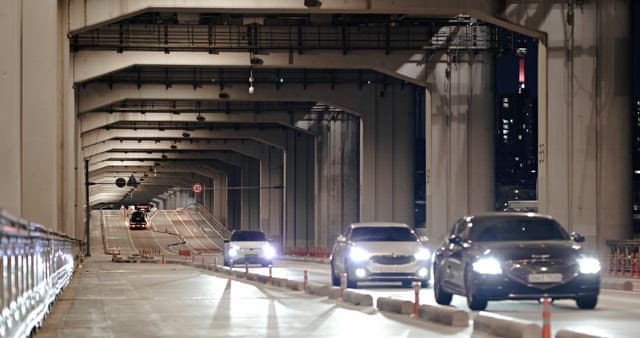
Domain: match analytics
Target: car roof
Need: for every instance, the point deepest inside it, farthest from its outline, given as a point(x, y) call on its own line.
point(379, 225)
point(507, 214)
point(246, 230)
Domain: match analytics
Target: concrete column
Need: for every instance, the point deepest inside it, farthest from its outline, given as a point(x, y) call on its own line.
point(460, 141)
point(41, 113)
point(584, 137)
point(271, 207)
point(387, 153)
point(299, 186)
point(10, 96)
point(338, 175)
point(613, 165)
point(220, 210)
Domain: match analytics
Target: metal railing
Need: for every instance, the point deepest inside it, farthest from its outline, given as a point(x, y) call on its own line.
point(35, 264)
point(202, 215)
point(623, 259)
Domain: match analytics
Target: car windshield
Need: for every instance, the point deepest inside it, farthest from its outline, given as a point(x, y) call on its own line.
point(515, 229)
point(382, 234)
point(137, 216)
point(248, 236)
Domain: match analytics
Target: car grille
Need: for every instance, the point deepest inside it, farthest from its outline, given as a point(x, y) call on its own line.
point(392, 260)
point(520, 269)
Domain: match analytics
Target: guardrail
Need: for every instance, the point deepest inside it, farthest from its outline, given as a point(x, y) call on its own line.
point(211, 221)
point(35, 265)
point(623, 259)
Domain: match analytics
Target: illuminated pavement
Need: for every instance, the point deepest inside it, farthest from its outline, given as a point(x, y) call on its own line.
point(108, 299)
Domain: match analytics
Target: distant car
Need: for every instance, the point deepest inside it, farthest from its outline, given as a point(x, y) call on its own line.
point(500, 256)
point(248, 246)
point(380, 252)
point(138, 220)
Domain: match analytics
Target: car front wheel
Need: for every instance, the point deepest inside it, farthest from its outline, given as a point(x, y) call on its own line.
point(351, 283)
point(442, 297)
point(474, 301)
point(335, 279)
point(587, 302)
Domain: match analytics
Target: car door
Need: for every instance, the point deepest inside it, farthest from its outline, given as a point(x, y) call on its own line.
point(452, 266)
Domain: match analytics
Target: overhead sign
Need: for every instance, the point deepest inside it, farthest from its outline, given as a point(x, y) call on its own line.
point(121, 182)
point(197, 188)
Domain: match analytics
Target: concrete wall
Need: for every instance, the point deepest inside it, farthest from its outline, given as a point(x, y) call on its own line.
point(37, 123)
point(586, 134)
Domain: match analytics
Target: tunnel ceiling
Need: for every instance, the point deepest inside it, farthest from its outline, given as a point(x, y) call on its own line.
point(257, 35)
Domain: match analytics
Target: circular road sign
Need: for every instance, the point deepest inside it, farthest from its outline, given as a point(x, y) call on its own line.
point(121, 182)
point(197, 188)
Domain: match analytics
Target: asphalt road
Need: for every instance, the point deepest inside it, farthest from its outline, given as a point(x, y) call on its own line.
point(615, 316)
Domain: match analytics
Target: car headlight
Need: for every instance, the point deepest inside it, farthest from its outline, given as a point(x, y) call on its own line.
point(488, 266)
point(358, 254)
point(589, 265)
point(268, 251)
point(233, 252)
point(422, 254)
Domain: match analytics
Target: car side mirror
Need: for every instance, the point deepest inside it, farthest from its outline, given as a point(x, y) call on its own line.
point(341, 239)
point(578, 238)
point(455, 240)
point(423, 239)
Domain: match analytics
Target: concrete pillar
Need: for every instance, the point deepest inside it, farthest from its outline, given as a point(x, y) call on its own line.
point(584, 137)
point(613, 131)
point(10, 96)
point(460, 142)
point(299, 190)
point(387, 152)
point(271, 196)
point(32, 122)
point(338, 175)
point(41, 113)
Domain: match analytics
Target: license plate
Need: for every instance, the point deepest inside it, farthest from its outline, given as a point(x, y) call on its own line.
point(545, 278)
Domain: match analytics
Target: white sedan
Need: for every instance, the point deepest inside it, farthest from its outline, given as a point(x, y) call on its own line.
point(380, 252)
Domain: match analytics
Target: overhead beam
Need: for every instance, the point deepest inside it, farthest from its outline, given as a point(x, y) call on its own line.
point(84, 15)
point(97, 120)
point(96, 96)
point(408, 66)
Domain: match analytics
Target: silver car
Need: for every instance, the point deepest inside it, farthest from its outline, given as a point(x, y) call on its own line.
point(380, 252)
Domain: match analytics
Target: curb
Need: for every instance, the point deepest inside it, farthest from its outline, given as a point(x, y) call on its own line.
point(617, 284)
point(387, 304)
point(440, 314)
point(503, 326)
point(574, 334)
point(355, 298)
point(444, 315)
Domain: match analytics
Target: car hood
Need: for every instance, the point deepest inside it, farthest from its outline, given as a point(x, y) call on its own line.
point(534, 250)
point(389, 248)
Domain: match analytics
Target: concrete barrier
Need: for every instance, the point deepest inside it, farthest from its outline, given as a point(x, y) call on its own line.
point(394, 305)
point(446, 315)
point(293, 285)
point(318, 290)
point(352, 297)
point(573, 334)
point(617, 284)
point(503, 326)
